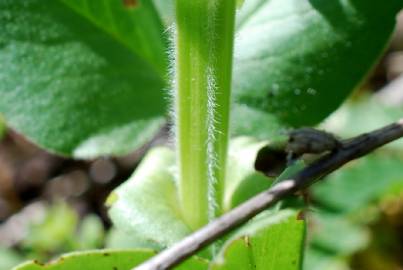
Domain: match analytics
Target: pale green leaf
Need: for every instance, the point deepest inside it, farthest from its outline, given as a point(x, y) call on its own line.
point(269, 242)
point(9, 258)
point(147, 204)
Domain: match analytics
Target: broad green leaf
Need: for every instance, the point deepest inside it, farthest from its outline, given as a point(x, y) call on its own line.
point(80, 77)
point(363, 182)
point(147, 204)
point(105, 260)
point(297, 60)
point(269, 242)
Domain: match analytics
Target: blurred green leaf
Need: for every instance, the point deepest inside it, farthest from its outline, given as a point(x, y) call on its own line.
point(105, 260)
point(53, 233)
point(91, 233)
point(363, 115)
point(362, 182)
point(80, 77)
point(328, 228)
point(316, 259)
point(9, 259)
point(269, 242)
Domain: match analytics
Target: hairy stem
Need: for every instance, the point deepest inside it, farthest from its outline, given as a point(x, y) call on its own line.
point(204, 45)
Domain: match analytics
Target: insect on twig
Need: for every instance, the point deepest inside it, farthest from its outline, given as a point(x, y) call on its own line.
point(275, 157)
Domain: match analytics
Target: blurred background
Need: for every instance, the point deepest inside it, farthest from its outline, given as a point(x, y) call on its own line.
point(51, 205)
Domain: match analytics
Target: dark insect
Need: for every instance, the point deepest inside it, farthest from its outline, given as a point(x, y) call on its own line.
point(274, 158)
point(311, 141)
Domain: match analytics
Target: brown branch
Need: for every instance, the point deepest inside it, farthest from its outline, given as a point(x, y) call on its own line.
point(349, 150)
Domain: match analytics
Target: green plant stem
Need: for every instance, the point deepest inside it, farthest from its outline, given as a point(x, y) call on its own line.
point(204, 48)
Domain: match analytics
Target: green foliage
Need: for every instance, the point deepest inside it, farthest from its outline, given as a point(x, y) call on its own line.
point(104, 260)
point(152, 187)
point(87, 78)
point(269, 242)
point(75, 77)
point(298, 76)
point(348, 198)
point(100, 65)
point(329, 226)
point(365, 183)
point(367, 179)
point(57, 230)
point(291, 56)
